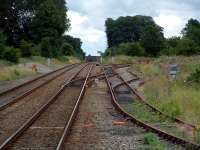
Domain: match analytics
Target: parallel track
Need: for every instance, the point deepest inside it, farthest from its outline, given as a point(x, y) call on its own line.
point(132, 118)
point(142, 100)
point(13, 95)
point(44, 108)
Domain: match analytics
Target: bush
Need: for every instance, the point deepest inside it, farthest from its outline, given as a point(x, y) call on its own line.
point(169, 51)
point(26, 49)
point(153, 142)
point(131, 49)
point(194, 76)
point(46, 47)
point(2, 44)
point(12, 54)
point(187, 47)
point(67, 50)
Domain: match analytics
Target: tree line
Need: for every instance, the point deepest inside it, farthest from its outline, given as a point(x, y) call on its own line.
point(141, 36)
point(36, 27)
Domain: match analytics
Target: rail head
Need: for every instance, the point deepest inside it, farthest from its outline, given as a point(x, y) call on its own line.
point(74, 113)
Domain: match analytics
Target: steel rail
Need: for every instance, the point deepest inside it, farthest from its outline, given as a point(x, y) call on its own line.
point(163, 134)
point(15, 100)
point(134, 91)
point(36, 115)
point(35, 79)
point(73, 114)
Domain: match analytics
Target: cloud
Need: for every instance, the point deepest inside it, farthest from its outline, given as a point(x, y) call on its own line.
point(81, 27)
point(88, 17)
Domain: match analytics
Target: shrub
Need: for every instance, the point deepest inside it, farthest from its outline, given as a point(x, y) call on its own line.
point(67, 50)
point(153, 142)
point(2, 44)
point(26, 49)
point(46, 47)
point(187, 47)
point(12, 54)
point(131, 49)
point(194, 76)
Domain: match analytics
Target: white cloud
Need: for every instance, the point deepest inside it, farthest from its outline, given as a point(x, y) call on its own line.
point(82, 28)
point(88, 17)
point(172, 24)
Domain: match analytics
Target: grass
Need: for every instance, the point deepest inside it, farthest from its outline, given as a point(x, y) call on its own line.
point(152, 142)
point(10, 71)
point(118, 60)
point(154, 119)
point(175, 98)
point(14, 72)
point(54, 62)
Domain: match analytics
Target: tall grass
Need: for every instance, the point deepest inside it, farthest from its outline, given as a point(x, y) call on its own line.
point(176, 98)
point(14, 72)
point(153, 143)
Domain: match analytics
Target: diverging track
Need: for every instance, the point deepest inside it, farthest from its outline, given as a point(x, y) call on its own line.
point(121, 105)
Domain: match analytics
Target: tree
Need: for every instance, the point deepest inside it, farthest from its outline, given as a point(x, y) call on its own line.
point(50, 20)
point(126, 29)
point(2, 45)
point(68, 50)
point(76, 44)
point(26, 48)
point(187, 47)
point(130, 49)
point(153, 40)
point(192, 31)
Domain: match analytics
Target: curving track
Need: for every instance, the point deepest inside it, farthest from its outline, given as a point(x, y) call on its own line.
point(148, 127)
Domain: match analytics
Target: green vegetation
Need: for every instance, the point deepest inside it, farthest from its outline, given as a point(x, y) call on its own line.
point(10, 71)
point(179, 98)
point(141, 36)
point(36, 28)
point(14, 72)
point(153, 143)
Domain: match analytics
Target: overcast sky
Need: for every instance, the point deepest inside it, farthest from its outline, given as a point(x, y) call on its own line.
point(88, 17)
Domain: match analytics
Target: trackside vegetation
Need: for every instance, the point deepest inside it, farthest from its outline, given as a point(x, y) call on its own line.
point(36, 28)
point(141, 36)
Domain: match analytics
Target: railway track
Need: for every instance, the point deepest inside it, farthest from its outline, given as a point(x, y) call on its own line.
point(14, 116)
point(166, 135)
point(46, 126)
point(142, 100)
point(11, 96)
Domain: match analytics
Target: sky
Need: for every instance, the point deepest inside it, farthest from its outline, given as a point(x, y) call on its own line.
point(88, 17)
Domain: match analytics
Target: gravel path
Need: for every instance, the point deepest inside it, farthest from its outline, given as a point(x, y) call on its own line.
point(95, 127)
point(13, 117)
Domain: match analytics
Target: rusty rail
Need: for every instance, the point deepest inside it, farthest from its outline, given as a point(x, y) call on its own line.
point(15, 100)
point(35, 116)
point(134, 91)
point(73, 114)
point(164, 135)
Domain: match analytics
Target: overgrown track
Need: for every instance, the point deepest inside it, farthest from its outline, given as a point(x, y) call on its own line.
point(12, 95)
point(132, 118)
point(142, 100)
point(55, 102)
